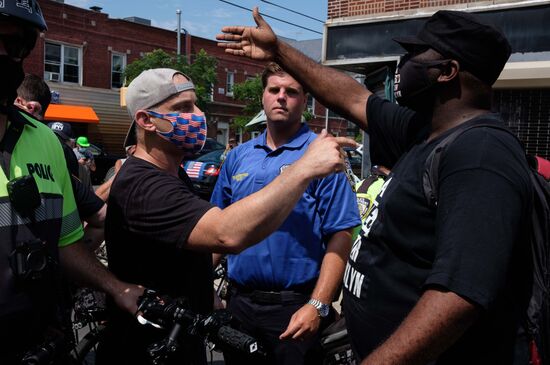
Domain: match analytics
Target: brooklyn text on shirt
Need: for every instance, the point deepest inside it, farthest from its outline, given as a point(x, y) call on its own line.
point(353, 279)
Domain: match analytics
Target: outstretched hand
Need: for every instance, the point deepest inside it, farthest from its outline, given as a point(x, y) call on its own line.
point(253, 42)
point(324, 155)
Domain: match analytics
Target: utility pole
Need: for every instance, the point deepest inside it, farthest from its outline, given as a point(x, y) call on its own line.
point(178, 12)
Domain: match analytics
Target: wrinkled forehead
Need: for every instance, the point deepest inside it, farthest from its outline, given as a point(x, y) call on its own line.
point(282, 79)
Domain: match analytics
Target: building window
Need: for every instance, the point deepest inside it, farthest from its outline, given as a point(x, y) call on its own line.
point(333, 115)
point(62, 63)
point(118, 64)
point(239, 136)
point(311, 103)
point(229, 84)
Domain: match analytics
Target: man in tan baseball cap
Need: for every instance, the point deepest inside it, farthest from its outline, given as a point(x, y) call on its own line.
point(160, 234)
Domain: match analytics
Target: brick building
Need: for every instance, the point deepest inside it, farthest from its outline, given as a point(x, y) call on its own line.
point(83, 54)
point(358, 38)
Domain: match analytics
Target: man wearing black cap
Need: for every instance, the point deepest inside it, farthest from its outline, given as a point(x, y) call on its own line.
point(429, 284)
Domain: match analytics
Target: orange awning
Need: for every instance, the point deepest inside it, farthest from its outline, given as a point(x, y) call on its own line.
point(71, 113)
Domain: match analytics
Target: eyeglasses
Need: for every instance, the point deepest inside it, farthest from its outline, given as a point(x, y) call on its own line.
point(19, 44)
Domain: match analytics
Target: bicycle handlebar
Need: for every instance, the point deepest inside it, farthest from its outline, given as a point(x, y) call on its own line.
point(168, 312)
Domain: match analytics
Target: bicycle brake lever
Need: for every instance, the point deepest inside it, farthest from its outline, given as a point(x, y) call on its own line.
point(142, 320)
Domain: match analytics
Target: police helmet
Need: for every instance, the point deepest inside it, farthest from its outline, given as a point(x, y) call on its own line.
point(24, 10)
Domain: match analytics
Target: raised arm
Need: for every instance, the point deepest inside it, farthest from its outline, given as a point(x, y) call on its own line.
point(253, 218)
point(334, 89)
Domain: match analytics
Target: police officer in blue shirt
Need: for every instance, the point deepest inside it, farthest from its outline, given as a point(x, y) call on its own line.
point(282, 288)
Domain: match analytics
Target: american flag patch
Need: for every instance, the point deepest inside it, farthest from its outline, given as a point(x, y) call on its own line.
point(193, 169)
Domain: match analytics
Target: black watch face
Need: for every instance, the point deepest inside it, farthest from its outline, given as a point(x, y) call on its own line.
point(323, 311)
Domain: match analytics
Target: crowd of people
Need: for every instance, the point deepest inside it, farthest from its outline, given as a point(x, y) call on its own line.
point(422, 283)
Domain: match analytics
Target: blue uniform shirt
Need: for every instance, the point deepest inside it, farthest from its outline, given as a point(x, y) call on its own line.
point(292, 255)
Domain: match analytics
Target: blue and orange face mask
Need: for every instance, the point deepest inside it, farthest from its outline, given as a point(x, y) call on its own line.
point(188, 130)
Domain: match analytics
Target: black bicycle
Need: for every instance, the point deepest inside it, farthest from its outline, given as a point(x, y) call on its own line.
point(334, 347)
point(88, 318)
point(173, 315)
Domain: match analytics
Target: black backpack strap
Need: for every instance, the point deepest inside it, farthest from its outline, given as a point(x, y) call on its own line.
point(17, 123)
point(430, 176)
point(7, 145)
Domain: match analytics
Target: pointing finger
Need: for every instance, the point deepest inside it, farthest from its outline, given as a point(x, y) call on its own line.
point(346, 142)
point(289, 332)
point(298, 334)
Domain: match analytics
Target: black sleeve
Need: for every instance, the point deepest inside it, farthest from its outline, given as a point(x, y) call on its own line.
point(483, 195)
point(87, 202)
point(392, 129)
point(70, 159)
point(165, 209)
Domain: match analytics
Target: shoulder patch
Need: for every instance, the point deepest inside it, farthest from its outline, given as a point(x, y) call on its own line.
point(240, 177)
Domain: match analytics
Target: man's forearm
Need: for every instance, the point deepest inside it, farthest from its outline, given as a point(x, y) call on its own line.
point(103, 190)
point(333, 266)
point(83, 268)
point(305, 321)
point(334, 89)
point(435, 323)
point(253, 218)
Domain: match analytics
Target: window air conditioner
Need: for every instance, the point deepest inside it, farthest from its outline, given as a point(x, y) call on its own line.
point(54, 77)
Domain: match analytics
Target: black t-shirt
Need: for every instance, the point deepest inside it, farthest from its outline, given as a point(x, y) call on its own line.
point(87, 202)
point(150, 216)
point(70, 158)
point(472, 244)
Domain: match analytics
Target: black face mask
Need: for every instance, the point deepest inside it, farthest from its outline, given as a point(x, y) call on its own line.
point(12, 75)
point(413, 85)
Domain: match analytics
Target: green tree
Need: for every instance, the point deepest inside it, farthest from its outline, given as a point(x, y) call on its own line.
point(202, 70)
point(250, 92)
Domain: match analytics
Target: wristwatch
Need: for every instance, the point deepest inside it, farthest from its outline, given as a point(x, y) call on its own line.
point(322, 308)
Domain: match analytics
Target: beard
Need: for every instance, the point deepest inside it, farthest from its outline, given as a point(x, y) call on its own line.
point(11, 74)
